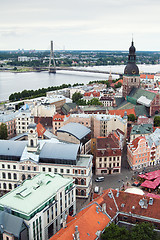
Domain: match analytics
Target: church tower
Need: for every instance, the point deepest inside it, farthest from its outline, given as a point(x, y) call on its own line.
point(32, 138)
point(131, 77)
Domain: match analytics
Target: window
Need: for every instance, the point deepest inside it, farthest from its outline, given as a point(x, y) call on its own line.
point(8, 166)
point(14, 166)
point(29, 168)
point(55, 170)
point(100, 159)
point(4, 185)
point(23, 177)
point(110, 159)
point(47, 216)
point(82, 182)
point(100, 165)
point(10, 186)
point(43, 169)
point(76, 181)
point(68, 170)
point(23, 168)
point(34, 168)
point(114, 158)
point(15, 176)
point(9, 175)
point(61, 170)
point(117, 158)
point(105, 159)
point(3, 175)
point(31, 143)
point(3, 166)
point(76, 171)
point(82, 171)
point(49, 169)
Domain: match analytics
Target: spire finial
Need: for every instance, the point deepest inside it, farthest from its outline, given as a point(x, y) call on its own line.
point(132, 39)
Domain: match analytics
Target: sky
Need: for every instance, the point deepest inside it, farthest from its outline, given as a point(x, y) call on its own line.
point(80, 24)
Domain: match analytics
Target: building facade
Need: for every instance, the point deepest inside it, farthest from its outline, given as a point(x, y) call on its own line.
point(43, 202)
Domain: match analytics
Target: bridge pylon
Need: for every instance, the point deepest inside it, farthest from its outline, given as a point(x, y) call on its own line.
point(52, 64)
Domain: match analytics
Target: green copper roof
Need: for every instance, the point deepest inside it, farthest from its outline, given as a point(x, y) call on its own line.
point(34, 194)
point(142, 129)
point(137, 93)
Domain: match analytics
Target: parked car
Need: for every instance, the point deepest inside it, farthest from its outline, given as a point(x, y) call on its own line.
point(99, 179)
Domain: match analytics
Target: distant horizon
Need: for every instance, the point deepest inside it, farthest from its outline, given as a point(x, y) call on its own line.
point(73, 50)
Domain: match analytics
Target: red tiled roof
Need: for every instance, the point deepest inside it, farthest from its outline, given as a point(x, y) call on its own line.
point(136, 141)
point(122, 111)
point(40, 129)
point(88, 222)
point(58, 117)
point(94, 93)
point(149, 76)
point(119, 81)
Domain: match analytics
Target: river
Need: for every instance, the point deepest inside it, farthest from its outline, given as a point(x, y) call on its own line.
point(17, 82)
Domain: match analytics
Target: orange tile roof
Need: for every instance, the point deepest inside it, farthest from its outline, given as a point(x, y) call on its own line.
point(40, 129)
point(58, 117)
point(122, 111)
point(88, 222)
point(149, 76)
point(136, 141)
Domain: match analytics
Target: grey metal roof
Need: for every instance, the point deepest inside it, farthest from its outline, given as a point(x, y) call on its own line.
point(18, 136)
point(59, 151)
point(10, 223)
point(154, 138)
point(75, 129)
point(12, 148)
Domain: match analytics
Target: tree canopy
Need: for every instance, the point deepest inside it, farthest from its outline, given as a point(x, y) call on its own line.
point(3, 131)
point(141, 231)
point(157, 121)
point(131, 117)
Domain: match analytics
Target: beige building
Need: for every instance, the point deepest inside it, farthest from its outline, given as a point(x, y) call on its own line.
point(43, 110)
point(23, 120)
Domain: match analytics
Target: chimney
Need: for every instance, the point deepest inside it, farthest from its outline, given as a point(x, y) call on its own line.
point(104, 207)
point(97, 209)
point(76, 234)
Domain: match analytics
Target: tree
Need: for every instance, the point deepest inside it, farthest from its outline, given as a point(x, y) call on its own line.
point(157, 121)
point(76, 96)
point(143, 231)
point(114, 232)
point(131, 117)
point(94, 101)
point(3, 131)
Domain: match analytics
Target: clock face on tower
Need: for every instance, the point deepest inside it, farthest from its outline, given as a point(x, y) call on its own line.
point(31, 131)
point(133, 71)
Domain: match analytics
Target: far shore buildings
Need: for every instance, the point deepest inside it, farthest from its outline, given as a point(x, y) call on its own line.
point(41, 204)
point(20, 160)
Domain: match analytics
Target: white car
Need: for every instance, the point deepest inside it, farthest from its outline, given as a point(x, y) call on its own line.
point(99, 179)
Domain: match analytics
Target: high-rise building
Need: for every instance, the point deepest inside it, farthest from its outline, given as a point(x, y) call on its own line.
point(131, 76)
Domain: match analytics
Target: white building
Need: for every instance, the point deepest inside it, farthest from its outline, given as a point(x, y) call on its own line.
point(23, 120)
point(43, 202)
point(20, 160)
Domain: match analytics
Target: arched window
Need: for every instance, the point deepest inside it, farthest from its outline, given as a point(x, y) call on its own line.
point(82, 192)
point(82, 181)
point(29, 176)
point(76, 181)
point(23, 177)
point(9, 175)
point(31, 142)
point(15, 176)
point(10, 186)
point(15, 185)
point(3, 175)
point(4, 185)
